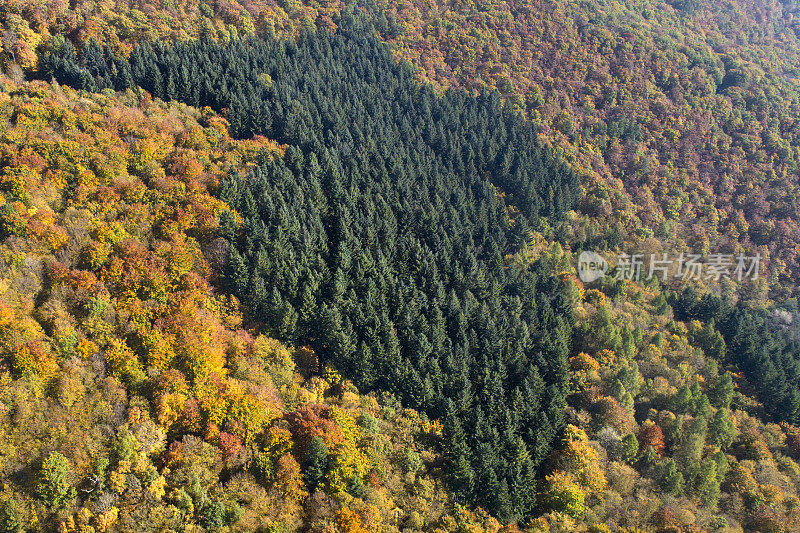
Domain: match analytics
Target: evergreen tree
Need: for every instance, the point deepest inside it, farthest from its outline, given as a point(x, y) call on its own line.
point(721, 429)
point(238, 273)
point(315, 463)
point(670, 479)
point(722, 392)
point(705, 483)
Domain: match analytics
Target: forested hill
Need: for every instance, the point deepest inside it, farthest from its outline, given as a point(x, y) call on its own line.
point(682, 115)
point(311, 266)
point(382, 238)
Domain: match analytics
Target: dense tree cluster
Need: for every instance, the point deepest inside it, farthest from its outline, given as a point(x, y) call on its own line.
point(403, 234)
point(381, 237)
point(682, 119)
point(685, 118)
point(131, 399)
point(662, 398)
point(758, 343)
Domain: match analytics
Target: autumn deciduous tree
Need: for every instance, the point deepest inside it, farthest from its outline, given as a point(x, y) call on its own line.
point(613, 414)
point(650, 435)
point(53, 486)
point(123, 363)
point(9, 516)
point(276, 359)
point(349, 521)
point(562, 494)
point(580, 460)
point(347, 468)
point(289, 477)
point(313, 420)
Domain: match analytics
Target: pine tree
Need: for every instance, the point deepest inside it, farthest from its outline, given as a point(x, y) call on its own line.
point(691, 450)
point(670, 479)
point(238, 272)
point(315, 463)
point(721, 394)
point(705, 484)
point(721, 429)
point(522, 486)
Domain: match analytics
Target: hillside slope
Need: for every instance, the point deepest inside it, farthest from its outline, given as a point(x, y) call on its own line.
point(681, 116)
point(180, 292)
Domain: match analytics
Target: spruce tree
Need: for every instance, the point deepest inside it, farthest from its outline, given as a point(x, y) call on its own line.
point(315, 463)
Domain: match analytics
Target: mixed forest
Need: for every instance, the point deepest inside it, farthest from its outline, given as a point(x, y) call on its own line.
point(386, 254)
point(312, 266)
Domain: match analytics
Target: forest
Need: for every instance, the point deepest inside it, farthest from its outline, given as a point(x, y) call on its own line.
point(304, 266)
point(757, 343)
point(387, 255)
